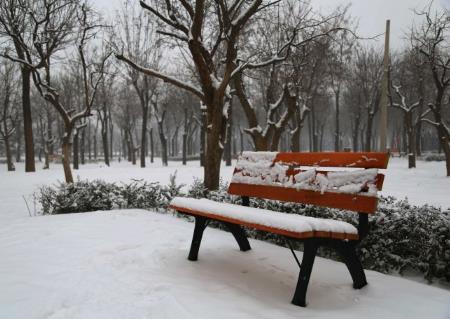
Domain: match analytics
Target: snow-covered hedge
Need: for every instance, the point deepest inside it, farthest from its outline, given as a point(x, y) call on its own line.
point(403, 238)
point(88, 196)
point(434, 157)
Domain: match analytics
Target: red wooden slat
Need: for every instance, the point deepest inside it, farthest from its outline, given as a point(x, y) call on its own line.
point(353, 202)
point(336, 159)
point(299, 235)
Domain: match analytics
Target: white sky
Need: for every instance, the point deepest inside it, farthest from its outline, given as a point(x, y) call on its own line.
point(371, 14)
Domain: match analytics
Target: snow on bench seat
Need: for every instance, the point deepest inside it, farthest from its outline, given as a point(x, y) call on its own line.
point(290, 225)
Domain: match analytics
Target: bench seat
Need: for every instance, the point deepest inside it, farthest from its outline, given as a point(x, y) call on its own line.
point(290, 225)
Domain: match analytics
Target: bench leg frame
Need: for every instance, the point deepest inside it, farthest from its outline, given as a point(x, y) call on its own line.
point(347, 251)
point(309, 254)
point(200, 224)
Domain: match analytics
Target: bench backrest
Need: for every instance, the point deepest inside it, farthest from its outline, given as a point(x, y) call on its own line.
point(339, 180)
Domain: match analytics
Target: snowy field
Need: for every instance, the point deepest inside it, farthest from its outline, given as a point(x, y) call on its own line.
point(132, 263)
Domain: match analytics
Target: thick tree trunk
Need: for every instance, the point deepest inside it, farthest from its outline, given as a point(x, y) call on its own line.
point(27, 121)
point(213, 154)
point(66, 149)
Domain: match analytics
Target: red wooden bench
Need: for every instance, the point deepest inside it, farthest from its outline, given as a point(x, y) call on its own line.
point(311, 178)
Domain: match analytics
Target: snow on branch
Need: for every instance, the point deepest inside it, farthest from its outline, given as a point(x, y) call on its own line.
point(161, 76)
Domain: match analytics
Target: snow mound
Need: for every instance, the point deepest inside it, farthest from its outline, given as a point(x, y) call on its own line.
point(265, 217)
point(260, 168)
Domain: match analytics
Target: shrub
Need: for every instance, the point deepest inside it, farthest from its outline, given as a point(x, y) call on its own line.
point(434, 157)
point(88, 196)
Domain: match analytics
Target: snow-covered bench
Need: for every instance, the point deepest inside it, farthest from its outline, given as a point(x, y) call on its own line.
point(302, 178)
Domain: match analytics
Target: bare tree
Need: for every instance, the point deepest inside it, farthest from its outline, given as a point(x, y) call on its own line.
point(432, 41)
point(8, 111)
point(20, 31)
point(136, 36)
point(368, 74)
point(64, 17)
point(210, 31)
point(338, 60)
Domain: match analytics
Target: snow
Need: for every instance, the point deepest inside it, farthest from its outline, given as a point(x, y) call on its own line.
point(258, 168)
point(264, 217)
point(132, 263)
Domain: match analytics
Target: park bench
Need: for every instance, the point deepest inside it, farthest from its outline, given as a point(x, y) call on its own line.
point(345, 180)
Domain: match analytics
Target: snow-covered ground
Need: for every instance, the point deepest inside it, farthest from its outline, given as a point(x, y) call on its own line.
point(132, 264)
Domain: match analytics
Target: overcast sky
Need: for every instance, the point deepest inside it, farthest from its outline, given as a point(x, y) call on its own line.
point(371, 14)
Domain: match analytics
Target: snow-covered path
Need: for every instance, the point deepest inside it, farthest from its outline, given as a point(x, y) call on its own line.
point(132, 264)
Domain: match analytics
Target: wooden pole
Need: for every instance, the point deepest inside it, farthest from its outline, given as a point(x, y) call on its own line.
point(384, 91)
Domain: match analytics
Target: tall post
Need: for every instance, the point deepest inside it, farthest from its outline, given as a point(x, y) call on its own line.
point(384, 91)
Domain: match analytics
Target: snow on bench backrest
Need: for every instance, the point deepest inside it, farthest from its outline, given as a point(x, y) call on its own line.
point(300, 177)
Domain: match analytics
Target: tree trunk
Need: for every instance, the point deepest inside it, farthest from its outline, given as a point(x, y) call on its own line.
point(163, 141)
point(82, 147)
point(213, 155)
point(18, 152)
point(9, 161)
point(152, 147)
point(75, 147)
point(185, 133)
point(368, 146)
point(228, 134)
point(66, 148)
point(204, 124)
point(144, 135)
point(27, 121)
point(105, 144)
point(337, 134)
point(411, 140)
point(89, 144)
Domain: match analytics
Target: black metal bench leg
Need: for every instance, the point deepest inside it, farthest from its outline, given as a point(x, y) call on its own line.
point(239, 234)
point(347, 250)
point(200, 225)
point(309, 254)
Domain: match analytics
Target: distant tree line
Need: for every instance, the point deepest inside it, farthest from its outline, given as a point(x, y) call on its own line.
point(207, 79)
